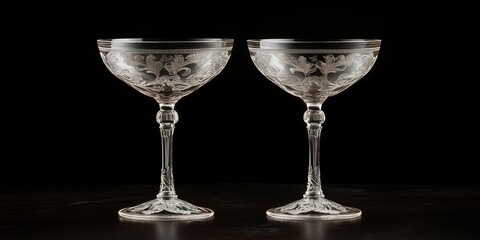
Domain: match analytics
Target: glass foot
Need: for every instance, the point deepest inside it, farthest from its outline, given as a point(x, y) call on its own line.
point(161, 209)
point(314, 208)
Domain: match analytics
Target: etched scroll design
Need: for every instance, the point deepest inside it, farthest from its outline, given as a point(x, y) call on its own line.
point(165, 72)
point(314, 75)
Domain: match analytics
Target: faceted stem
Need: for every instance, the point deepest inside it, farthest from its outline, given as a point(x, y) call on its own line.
point(167, 117)
point(314, 117)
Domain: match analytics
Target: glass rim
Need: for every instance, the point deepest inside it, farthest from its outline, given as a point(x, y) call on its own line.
point(313, 40)
point(165, 43)
point(299, 43)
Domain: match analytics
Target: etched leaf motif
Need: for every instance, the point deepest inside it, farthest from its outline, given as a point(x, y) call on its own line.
point(266, 64)
point(135, 60)
point(353, 58)
point(360, 65)
point(177, 64)
point(332, 64)
point(366, 63)
point(300, 65)
point(262, 61)
point(112, 60)
point(153, 66)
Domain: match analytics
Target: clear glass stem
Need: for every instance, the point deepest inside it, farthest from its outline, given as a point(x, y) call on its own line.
point(314, 117)
point(167, 205)
point(166, 118)
point(314, 205)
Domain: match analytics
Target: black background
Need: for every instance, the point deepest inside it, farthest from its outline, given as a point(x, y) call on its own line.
point(412, 119)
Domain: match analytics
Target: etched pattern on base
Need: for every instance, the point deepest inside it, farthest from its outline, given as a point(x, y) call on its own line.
point(314, 208)
point(160, 205)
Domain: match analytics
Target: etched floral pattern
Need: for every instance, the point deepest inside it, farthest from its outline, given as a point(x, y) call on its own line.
point(159, 205)
point(165, 77)
point(313, 77)
point(306, 205)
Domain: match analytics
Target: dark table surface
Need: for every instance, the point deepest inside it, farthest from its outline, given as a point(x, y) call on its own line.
point(388, 212)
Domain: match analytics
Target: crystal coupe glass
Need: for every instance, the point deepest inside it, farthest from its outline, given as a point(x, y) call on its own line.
point(313, 71)
point(166, 70)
